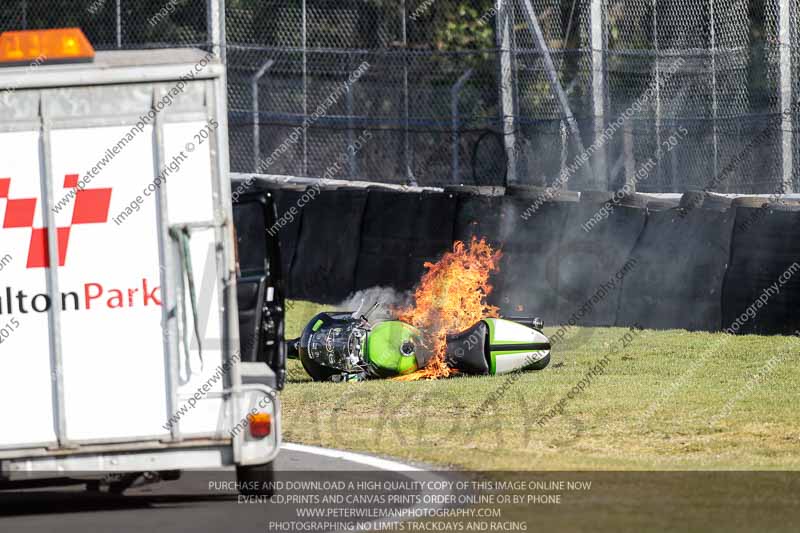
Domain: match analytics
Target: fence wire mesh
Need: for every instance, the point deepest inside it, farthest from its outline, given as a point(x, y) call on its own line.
point(664, 66)
point(111, 24)
point(408, 97)
point(425, 78)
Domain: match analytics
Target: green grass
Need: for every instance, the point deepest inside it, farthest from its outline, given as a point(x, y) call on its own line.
point(652, 409)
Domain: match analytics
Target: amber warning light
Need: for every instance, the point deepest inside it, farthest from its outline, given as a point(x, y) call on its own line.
point(260, 425)
point(45, 46)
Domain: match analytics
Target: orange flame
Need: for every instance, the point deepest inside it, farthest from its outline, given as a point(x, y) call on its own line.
point(450, 298)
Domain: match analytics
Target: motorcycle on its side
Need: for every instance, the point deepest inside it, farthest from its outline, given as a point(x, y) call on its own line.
point(342, 346)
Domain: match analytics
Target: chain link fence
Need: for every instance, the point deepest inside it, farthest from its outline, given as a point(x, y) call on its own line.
point(489, 93)
point(444, 114)
point(426, 107)
point(708, 68)
point(116, 24)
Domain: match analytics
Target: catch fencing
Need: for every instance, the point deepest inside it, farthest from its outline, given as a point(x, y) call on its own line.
point(523, 107)
point(122, 24)
point(726, 71)
point(487, 92)
point(426, 102)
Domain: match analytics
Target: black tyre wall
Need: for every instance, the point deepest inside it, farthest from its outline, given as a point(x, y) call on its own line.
point(328, 246)
point(764, 246)
point(680, 263)
point(529, 246)
point(289, 233)
point(590, 263)
point(684, 272)
point(401, 231)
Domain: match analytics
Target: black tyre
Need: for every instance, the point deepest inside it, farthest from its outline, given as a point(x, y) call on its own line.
point(596, 197)
point(489, 159)
point(749, 201)
point(717, 202)
point(641, 201)
point(540, 364)
point(661, 205)
point(316, 370)
point(692, 200)
point(256, 480)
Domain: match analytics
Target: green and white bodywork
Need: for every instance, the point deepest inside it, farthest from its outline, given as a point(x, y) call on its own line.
point(342, 347)
point(514, 346)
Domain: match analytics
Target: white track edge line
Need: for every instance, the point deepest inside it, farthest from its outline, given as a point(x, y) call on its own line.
point(382, 464)
point(375, 462)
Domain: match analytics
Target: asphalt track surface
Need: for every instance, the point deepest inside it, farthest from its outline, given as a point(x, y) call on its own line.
point(185, 505)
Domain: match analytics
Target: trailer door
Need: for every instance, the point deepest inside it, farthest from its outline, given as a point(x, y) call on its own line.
point(97, 356)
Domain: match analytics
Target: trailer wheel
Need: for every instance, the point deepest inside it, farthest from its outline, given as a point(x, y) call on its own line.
point(256, 480)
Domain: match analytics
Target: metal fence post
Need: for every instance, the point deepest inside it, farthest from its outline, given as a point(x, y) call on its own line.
point(503, 32)
point(215, 9)
point(255, 111)
point(628, 157)
point(598, 89)
point(350, 105)
point(785, 47)
point(714, 103)
point(119, 23)
point(555, 85)
point(455, 93)
point(657, 89)
point(409, 172)
point(564, 137)
point(304, 37)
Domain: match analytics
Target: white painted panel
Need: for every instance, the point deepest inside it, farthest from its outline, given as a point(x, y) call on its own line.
point(190, 195)
point(188, 160)
point(25, 373)
point(114, 369)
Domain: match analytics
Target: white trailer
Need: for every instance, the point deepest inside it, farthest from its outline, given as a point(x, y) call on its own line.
point(116, 220)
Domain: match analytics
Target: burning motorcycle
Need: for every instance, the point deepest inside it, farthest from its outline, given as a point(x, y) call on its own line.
point(342, 346)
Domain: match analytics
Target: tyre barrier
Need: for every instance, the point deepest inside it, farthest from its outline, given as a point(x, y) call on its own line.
point(328, 246)
point(762, 283)
point(594, 249)
point(679, 268)
point(399, 232)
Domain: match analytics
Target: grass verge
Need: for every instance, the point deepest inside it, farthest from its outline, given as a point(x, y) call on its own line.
point(667, 400)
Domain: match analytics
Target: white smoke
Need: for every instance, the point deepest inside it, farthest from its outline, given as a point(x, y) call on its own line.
point(388, 301)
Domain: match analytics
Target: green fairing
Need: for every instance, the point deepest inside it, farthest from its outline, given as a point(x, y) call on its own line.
point(384, 347)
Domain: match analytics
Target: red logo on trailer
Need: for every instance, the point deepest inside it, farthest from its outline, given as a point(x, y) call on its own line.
point(91, 207)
